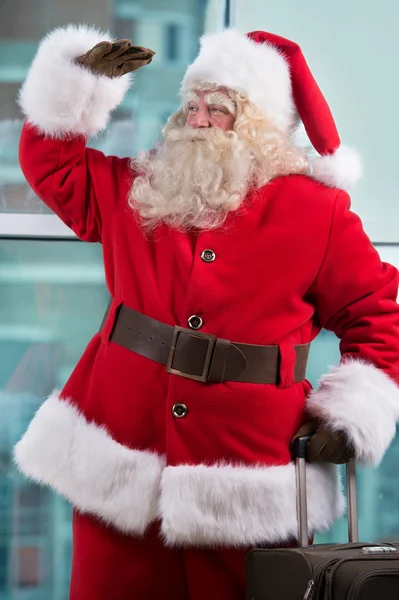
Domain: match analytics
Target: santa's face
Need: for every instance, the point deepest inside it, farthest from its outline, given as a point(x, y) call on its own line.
point(211, 108)
point(208, 161)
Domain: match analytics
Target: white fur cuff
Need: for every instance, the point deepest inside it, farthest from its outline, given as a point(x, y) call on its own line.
point(362, 401)
point(243, 506)
point(83, 463)
point(61, 97)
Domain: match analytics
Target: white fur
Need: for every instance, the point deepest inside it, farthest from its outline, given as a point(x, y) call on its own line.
point(259, 71)
point(83, 463)
point(241, 506)
point(362, 401)
point(341, 169)
point(61, 97)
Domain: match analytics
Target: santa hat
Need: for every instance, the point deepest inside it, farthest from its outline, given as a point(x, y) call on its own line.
point(274, 75)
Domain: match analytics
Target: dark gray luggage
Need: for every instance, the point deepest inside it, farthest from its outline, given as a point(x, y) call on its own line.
point(353, 571)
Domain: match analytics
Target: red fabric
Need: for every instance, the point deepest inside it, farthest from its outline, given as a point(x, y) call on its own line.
point(108, 565)
point(295, 260)
point(312, 106)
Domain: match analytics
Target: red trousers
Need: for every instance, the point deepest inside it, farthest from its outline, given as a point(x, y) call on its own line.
point(110, 566)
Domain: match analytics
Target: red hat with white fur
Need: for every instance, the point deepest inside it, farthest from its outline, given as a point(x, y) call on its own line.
point(274, 75)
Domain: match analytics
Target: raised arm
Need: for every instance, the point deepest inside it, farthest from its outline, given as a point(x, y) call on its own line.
point(78, 76)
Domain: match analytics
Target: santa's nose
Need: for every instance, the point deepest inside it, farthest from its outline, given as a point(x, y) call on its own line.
point(201, 119)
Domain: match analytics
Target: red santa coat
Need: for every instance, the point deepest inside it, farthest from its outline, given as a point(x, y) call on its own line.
point(296, 259)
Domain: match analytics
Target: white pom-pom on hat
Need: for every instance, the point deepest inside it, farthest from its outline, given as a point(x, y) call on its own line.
point(341, 169)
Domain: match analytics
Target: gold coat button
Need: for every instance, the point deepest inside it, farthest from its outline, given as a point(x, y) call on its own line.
point(179, 410)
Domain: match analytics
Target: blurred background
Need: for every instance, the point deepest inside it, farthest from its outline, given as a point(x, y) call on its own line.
point(52, 286)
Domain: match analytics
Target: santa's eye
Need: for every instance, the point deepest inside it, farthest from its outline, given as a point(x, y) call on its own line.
point(192, 109)
point(218, 110)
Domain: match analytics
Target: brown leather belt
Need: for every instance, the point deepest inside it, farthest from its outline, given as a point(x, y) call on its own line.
point(201, 356)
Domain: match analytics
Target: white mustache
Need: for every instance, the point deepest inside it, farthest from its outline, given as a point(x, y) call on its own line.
point(189, 134)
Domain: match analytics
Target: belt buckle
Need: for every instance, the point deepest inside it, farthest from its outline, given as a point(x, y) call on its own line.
point(208, 357)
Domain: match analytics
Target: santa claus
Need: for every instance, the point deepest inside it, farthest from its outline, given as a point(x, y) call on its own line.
point(226, 251)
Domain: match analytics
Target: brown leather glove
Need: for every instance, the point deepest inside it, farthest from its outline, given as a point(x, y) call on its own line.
point(325, 445)
point(115, 59)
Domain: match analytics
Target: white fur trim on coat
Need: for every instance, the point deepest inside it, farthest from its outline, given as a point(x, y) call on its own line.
point(259, 71)
point(341, 169)
point(361, 400)
point(243, 506)
point(83, 463)
point(61, 97)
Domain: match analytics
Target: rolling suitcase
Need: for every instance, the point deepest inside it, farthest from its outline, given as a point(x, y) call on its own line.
point(353, 571)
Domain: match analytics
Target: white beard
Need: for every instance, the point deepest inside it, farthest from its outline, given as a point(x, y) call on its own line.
point(193, 180)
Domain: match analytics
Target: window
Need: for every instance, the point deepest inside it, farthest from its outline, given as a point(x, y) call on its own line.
point(29, 573)
point(53, 300)
point(172, 42)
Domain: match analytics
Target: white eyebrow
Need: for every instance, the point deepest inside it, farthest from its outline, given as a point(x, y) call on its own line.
point(222, 99)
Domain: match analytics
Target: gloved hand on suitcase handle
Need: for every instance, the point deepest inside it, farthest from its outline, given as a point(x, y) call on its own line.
point(325, 444)
point(115, 59)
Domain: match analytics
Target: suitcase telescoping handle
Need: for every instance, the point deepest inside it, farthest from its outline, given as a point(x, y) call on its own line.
point(299, 453)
